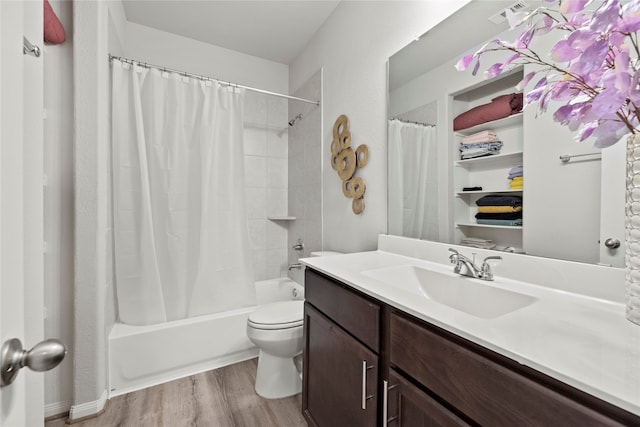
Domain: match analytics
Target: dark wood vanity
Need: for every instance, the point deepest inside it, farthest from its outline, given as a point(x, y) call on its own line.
point(369, 364)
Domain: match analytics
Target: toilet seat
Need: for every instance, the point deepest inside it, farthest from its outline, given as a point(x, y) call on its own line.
point(278, 315)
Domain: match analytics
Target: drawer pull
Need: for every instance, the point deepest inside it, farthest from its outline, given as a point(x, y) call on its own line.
point(365, 397)
point(385, 403)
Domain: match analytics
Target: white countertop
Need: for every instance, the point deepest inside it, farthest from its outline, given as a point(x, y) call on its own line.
point(581, 340)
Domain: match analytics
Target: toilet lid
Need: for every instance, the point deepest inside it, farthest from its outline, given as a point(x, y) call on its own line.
point(278, 315)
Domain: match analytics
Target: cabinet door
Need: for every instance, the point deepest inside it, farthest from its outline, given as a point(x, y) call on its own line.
point(408, 406)
point(340, 376)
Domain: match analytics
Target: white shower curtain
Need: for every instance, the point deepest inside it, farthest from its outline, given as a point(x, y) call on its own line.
point(181, 239)
point(413, 180)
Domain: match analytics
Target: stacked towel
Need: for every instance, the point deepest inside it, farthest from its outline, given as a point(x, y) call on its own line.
point(499, 200)
point(484, 136)
point(499, 107)
point(498, 209)
point(516, 183)
point(477, 243)
point(516, 178)
point(480, 144)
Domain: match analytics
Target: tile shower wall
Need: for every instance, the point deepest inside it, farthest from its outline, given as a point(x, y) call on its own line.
point(305, 173)
point(266, 181)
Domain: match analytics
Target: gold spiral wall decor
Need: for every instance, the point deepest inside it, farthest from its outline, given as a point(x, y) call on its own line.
point(346, 161)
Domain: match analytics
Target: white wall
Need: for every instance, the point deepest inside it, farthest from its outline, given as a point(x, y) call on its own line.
point(58, 209)
point(305, 174)
point(352, 48)
point(266, 172)
point(93, 276)
point(181, 53)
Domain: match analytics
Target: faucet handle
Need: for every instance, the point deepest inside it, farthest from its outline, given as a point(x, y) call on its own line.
point(486, 272)
point(455, 256)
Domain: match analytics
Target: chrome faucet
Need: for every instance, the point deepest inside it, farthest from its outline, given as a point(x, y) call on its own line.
point(297, 266)
point(467, 267)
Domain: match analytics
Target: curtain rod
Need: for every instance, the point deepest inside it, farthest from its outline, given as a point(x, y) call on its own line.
point(411, 122)
point(197, 76)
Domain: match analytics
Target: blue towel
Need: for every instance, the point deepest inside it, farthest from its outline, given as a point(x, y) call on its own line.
point(510, 222)
point(491, 146)
point(515, 171)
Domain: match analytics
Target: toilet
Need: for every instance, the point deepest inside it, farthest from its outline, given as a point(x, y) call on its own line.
point(277, 329)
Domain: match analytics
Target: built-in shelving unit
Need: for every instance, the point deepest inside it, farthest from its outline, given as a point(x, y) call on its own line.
point(489, 172)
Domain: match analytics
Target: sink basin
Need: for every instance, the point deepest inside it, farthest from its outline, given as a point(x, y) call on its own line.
point(471, 296)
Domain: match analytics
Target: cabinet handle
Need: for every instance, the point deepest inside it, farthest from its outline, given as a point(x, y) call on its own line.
point(385, 403)
point(365, 368)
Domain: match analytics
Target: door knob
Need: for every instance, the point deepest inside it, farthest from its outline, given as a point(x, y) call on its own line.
point(42, 357)
point(612, 243)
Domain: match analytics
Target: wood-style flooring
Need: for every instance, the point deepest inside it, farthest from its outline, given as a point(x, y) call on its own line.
point(223, 397)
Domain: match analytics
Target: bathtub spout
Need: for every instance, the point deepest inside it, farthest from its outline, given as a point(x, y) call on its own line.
point(297, 266)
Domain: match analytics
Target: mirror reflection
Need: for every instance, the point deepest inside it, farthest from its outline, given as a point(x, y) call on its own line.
point(497, 181)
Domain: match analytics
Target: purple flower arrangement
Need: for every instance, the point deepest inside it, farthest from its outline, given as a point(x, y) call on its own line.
point(593, 71)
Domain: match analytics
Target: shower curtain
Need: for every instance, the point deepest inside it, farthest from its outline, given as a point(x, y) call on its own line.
point(413, 180)
point(181, 242)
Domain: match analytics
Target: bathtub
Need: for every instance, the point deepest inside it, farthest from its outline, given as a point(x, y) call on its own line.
point(143, 356)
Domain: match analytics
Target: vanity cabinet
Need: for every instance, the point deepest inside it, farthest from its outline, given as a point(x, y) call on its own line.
point(341, 360)
point(486, 387)
point(361, 353)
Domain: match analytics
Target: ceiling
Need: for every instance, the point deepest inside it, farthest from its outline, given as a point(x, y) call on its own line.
point(273, 30)
point(460, 32)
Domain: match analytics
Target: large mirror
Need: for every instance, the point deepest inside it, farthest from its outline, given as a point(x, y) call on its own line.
point(437, 185)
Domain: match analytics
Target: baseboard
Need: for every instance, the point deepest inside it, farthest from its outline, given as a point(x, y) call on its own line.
point(89, 409)
point(55, 410)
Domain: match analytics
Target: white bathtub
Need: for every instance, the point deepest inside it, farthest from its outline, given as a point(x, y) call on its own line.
point(143, 356)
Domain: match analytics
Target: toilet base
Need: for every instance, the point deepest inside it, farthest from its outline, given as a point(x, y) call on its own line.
point(277, 377)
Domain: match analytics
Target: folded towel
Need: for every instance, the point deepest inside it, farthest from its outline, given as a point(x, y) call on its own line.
point(499, 209)
point(491, 146)
point(514, 222)
point(499, 200)
point(516, 183)
point(515, 172)
point(482, 134)
point(498, 108)
point(475, 140)
point(487, 135)
point(488, 244)
point(477, 152)
point(503, 215)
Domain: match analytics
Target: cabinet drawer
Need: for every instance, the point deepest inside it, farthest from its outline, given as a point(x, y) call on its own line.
point(486, 391)
point(359, 315)
point(410, 406)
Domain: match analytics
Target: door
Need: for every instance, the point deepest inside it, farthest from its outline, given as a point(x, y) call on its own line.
point(21, 216)
point(340, 376)
point(612, 204)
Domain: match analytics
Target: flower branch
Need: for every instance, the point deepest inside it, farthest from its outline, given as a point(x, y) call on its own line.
point(596, 60)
